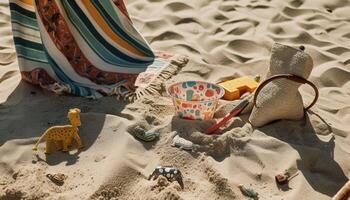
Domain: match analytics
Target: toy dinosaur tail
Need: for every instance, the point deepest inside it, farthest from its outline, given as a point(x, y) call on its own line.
point(35, 148)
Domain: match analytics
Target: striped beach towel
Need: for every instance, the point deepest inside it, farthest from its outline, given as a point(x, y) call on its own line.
point(86, 48)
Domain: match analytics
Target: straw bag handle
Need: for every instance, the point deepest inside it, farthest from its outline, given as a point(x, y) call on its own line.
point(289, 77)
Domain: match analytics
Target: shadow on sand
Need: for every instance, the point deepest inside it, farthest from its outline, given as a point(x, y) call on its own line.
point(316, 161)
point(29, 111)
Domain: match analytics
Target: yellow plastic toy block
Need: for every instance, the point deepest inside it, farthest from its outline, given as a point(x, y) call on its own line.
point(236, 87)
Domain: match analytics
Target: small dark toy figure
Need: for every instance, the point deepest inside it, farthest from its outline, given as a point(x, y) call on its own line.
point(285, 177)
point(281, 178)
point(171, 173)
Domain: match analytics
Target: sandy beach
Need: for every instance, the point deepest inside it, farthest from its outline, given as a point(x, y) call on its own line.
point(222, 39)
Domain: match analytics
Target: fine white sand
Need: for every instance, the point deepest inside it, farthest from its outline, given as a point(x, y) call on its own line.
point(223, 38)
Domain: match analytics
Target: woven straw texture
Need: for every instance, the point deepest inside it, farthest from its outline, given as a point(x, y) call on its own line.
point(280, 99)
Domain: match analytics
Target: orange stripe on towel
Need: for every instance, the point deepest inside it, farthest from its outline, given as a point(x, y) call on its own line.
point(104, 26)
point(28, 2)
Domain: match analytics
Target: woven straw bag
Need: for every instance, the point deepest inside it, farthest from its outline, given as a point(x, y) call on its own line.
point(277, 97)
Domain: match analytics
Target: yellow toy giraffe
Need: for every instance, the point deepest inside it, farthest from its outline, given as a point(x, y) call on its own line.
point(62, 136)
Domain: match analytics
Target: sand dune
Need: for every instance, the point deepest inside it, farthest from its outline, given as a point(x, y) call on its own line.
point(223, 38)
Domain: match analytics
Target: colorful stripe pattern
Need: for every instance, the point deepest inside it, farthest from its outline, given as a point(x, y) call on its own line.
point(88, 46)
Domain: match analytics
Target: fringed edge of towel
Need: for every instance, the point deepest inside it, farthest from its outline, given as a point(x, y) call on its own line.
point(57, 88)
point(176, 63)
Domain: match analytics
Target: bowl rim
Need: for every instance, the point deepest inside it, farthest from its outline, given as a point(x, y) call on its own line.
point(209, 100)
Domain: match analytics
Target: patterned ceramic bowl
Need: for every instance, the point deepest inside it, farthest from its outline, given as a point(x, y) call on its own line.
point(195, 100)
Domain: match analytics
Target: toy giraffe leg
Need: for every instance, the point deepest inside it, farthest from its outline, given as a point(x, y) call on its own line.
point(59, 145)
point(78, 140)
point(69, 141)
point(65, 145)
point(48, 147)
